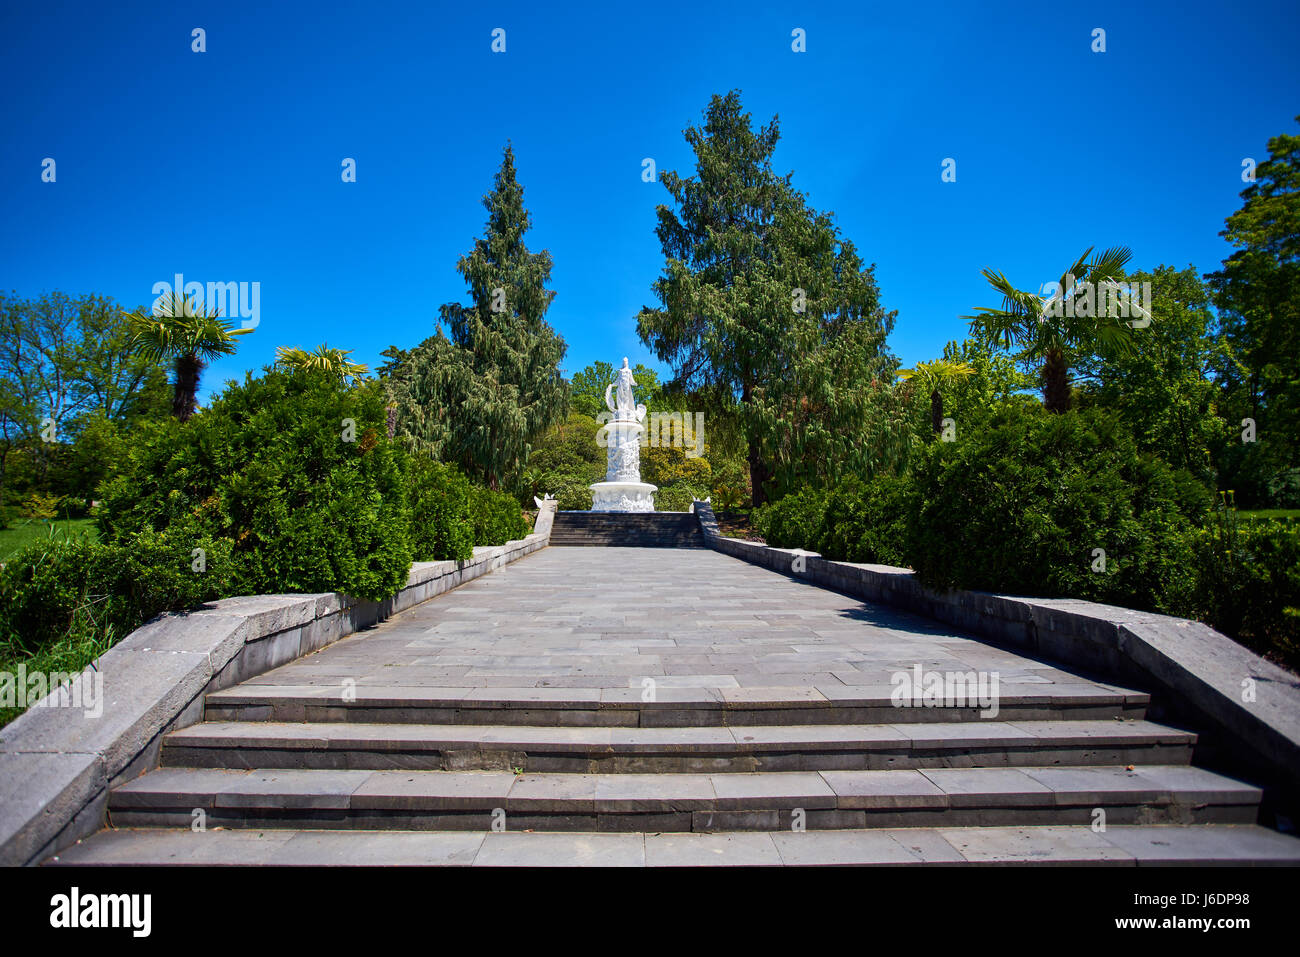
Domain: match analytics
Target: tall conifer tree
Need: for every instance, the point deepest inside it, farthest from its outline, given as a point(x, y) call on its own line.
point(478, 394)
point(767, 310)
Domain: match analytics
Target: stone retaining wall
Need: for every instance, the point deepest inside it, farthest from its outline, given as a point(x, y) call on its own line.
point(1196, 674)
point(57, 764)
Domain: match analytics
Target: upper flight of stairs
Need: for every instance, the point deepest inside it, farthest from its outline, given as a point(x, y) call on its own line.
point(641, 529)
point(860, 780)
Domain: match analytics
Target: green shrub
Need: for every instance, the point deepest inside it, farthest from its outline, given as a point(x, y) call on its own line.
point(1249, 582)
point(72, 589)
point(855, 521)
point(570, 486)
point(564, 462)
point(678, 497)
point(793, 521)
point(441, 528)
point(496, 517)
point(866, 521)
point(293, 470)
point(1021, 506)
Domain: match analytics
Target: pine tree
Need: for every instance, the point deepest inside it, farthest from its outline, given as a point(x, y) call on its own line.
point(769, 311)
point(478, 394)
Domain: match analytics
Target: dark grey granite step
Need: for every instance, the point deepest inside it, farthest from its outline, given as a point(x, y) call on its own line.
point(623, 707)
point(325, 745)
point(474, 800)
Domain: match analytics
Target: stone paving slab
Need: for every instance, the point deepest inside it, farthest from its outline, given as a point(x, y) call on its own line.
point(1116, 846)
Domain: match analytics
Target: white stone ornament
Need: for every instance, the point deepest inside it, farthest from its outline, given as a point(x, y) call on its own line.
point(623, 490)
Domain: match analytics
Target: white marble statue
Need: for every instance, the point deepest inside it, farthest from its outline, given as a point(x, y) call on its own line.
point(622, 490)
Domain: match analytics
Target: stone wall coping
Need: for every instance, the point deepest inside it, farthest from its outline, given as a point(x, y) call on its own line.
point(1198, 672)
point(57, 762)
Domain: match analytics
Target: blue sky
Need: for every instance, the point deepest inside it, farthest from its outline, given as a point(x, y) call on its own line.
point(225, 165)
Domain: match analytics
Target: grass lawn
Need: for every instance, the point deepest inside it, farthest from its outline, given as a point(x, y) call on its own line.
point(1292, 513)
point(23, 531)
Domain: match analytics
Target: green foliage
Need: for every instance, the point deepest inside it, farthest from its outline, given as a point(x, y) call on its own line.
point(769, 311)
point(496, 517)
point(1249, 582)
point(792, 521)
point(730, 481)
point(43, 507)
point(307, 502)
point(70, 589)
point(1162, 389)
point(333, 361)
point(480, 397)
point(995, 382)
point(678, 497)
point(441, 527)
point(188, 332)
point(867, 522)
point(565, 462)
point(68, 378)
point(587, 388)
point(666, 465)
point(1258, 295)
point(1021, 507)
point(853, 521)
point(1059, 329)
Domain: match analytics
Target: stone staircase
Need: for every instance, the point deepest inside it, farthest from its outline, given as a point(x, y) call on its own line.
point(640, 529)
point(305, 775)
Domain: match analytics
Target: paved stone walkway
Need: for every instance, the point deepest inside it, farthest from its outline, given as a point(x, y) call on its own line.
point(605, 619)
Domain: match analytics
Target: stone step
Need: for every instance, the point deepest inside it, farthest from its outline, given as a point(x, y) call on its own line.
point(764, 801)
point(632, 529)
point(1118, 845)
point(335, 745)
point(623, 707)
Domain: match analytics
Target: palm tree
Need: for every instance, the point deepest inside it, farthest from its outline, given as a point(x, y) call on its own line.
point(1049, 329)
point(933, 376)
point(323, 358)
point(182, 329)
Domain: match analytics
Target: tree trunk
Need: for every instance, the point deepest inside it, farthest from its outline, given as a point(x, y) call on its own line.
point(1056, 382)
point(185, 398)
point(759, 474)
point(936, 411)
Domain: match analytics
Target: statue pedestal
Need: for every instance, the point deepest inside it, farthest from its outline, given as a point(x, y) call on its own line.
point(622, 490)
point(623, 497)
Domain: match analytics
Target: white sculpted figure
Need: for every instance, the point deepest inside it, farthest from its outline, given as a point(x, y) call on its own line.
point(622, 490)
point(626, 401)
